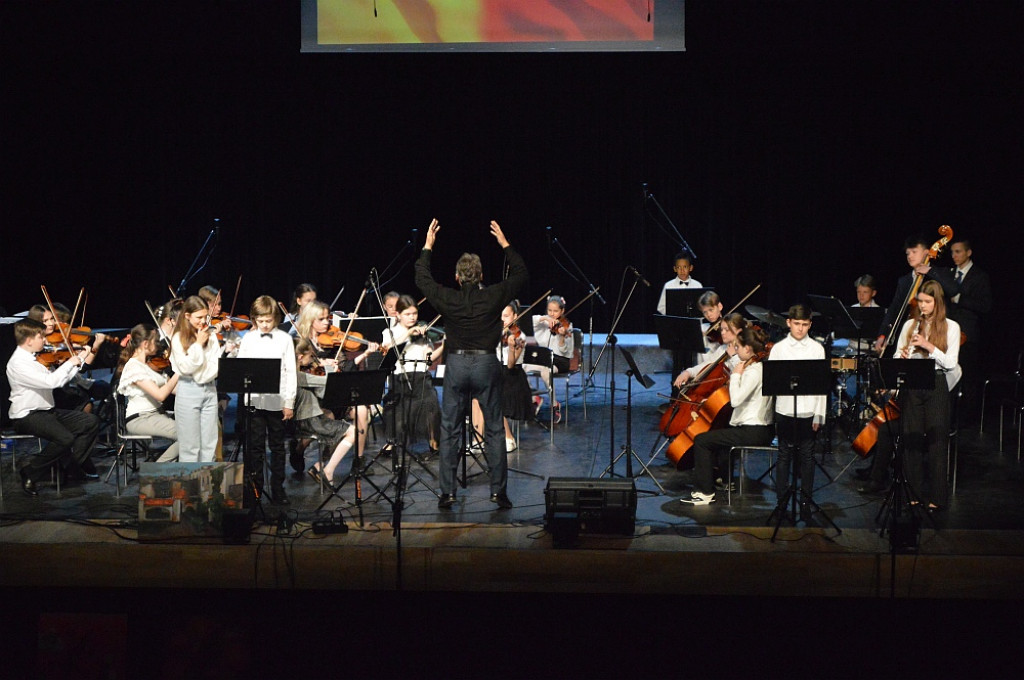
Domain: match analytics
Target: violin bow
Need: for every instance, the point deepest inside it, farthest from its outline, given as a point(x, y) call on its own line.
point(351, 318)
point(74, 313)
point(524, 312)
point(156, 322)
point(238, 286)
point(53, 310)
point(589, 295)
point(734, 308)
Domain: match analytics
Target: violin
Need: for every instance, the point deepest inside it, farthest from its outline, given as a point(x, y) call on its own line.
point(335, 337)
point(78, 336)
point(239, 323)
point(513, 331)
point(52, 357)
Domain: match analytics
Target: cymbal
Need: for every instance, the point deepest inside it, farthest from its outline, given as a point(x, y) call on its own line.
point(766, 316)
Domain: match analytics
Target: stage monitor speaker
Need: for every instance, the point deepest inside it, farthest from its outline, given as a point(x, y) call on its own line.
point(237, 526)
point(596, 506)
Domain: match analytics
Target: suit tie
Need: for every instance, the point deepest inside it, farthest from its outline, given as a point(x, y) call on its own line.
point(958, 278)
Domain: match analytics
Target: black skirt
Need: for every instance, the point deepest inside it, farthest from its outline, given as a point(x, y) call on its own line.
point(516, 394)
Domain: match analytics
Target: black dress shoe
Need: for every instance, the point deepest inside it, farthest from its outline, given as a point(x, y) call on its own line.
point(872, 487)
point(27, 485)
point(446, 501)
point(502, 500)
point(280, 497)
point(295, 459)
point(88, 469)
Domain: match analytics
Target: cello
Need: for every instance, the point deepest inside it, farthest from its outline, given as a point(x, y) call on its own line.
point(713, 413)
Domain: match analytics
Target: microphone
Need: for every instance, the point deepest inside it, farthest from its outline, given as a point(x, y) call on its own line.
point(547, 231)
point(644, 186)
point(640, 276)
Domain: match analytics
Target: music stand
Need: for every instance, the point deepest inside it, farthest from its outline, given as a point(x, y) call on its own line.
point(246, 377)
point(869, 320)
point(684, 301)
point(838, 315)
point(535, 355)
point(679, 333)
point(793, 378)
point(353, 388)
point(627, 448)
point(897, 374)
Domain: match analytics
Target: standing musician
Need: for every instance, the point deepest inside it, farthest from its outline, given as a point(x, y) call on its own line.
point(412, 381)
point(968, 306)
point(553, 331)
point(917, 252)
point(750, 424)
point(314, 322)
point(684, 262)
point(798, 418)
point(928, 334)
point(472, 371)
point(146, 390)
point(195, 357)
point(70, 434)
point(270, 411)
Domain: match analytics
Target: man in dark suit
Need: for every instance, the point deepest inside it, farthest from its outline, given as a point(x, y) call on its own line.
point(970, 302)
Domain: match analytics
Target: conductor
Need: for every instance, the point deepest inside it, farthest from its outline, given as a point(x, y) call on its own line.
point(472, 370)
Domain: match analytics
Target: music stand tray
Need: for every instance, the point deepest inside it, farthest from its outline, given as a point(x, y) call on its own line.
point(684, 334)
point(353, 388)
point(684, 301)
point(843, 325)
point(249, 376)
point(908, 374)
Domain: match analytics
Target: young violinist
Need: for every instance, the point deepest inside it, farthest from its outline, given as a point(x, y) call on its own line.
point(417, 407)
point(928, 334)
point(516, 393)
point(195, 357)
point(728, 332)
point(314, 324)
point(270, 411)
point(682, 266)
point(554, 332)
point(798, 418)
point(310, 419)
point(146, 390)
point(303, 295)
point(750, 424)
point(69, 434)
point(79, 393)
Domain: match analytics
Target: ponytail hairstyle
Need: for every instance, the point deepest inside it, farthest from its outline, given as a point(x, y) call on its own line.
point(138, 335)
point(755, 338)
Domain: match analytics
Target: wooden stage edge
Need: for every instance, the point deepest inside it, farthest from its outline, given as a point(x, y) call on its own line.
point(723, 561)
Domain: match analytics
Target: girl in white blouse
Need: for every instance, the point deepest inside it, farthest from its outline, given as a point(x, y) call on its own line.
point(146, 390)
point(195, 357)
point(928, 334)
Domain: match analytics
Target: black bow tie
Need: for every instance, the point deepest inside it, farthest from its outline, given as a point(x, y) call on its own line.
point(266, 335)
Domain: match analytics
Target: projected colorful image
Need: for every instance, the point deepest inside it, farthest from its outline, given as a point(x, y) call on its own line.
point(476, 22)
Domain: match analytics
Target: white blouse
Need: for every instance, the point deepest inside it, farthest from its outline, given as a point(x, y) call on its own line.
point(138, 400)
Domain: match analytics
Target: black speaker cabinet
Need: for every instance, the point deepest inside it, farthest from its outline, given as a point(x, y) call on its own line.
point(237, 526)
point(596, 506)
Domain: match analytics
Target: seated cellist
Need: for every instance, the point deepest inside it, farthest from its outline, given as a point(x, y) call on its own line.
point(750, 424)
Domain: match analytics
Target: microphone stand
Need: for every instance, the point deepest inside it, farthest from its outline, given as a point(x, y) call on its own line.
point(611, 340)
point(675, 232)
point(592, 292)
point(192, 271)
point(387, 269)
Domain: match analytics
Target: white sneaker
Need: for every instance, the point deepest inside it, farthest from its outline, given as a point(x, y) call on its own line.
point(510, 445)
point(698, 498)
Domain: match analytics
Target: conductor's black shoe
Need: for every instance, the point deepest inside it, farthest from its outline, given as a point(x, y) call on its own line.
point(502, 500)
point(27, 485)
point(446, 501)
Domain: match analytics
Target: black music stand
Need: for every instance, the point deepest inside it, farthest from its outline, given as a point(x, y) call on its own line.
point(899, 374)
point(246, 377)
point(838, 315)
point(869, 319)
point(535, 355)
point(627, 448)
point(684, 301)
point(353, 388)
point(679, 334)
point(793, 378)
